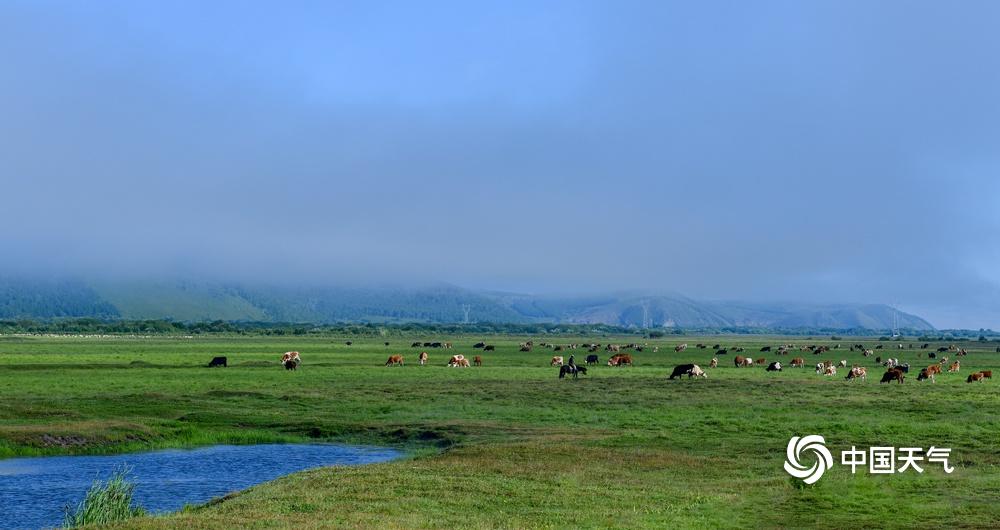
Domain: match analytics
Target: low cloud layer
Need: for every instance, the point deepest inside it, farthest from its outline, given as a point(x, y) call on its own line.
point(821, 151)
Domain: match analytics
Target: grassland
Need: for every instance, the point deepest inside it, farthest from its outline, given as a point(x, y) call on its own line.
point(508, 444)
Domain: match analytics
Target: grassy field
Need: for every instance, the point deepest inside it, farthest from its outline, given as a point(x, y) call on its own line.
point(508, 444)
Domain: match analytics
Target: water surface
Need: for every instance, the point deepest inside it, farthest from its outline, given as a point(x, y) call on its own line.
point(34, 491)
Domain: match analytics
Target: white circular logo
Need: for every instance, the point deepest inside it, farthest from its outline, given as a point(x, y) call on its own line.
point(814, 443)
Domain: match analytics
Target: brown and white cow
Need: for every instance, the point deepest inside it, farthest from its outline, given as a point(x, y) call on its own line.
point(797, 362)
point(954, 366)
point(975, 376)
point(929, 372)
point(423, 358)
point(830, 370)
point(714, 363)
point(290, 356)
point(556, 361)
point(680, 348)
point(620, 359)
point(458, 360)
point(857, 372)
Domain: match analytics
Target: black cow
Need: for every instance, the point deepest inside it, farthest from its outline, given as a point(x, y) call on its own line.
point(489, 347)
point(721, 352)
point(415, 345)
point(349, 343)
point(942, 349)
point(932, 355)
point(218, 361)
point(766, 348)
point(593, 359)
point(480, 345)
point(774, 367)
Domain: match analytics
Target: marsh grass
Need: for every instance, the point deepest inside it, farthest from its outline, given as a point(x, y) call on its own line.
point(106, 502)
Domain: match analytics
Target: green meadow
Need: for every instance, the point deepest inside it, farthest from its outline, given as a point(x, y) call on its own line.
point(508, 444)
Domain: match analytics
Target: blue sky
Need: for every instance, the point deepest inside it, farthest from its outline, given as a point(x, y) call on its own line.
point(814, 151)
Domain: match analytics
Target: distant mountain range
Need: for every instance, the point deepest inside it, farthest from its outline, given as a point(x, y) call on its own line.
point(197, 301)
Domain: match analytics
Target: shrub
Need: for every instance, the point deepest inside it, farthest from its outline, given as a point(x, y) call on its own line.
point(106, 503)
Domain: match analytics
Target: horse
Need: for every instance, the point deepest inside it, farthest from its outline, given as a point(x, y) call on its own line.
point(575, 370)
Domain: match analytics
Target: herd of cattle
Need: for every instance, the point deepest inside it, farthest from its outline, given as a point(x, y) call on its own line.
point(895, 370)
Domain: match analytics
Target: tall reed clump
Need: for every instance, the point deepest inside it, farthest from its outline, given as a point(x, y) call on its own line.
point(106, 502)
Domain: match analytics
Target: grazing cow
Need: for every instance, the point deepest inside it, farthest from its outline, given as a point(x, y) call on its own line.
point(620, 360)
point(479, 345)
point(394, 360)
point(217, 361)
point(722, 352)
point(593, 359)
point(701, 346)
point(683, 347)
point(556, 361)
point(290, 356)
point(987, 374)
point(929, 373)
point(830, 370)
point(892, 375)
point(422, 358)
point(842, 363)
point(489, 347)
point(739, 360)
point(942, 349)
point(458, 360)
point(716, 347)
point(691, 370)
point(761, 361)
point(879, 347)
point(858, 372)
point(477, 360)
point(869, 353)
point(774, 367)
point(415, 345)
point(975, 376)
point(575, 370)
point(765, 348)
point(954, 367)
point(714, 363)
point(349, 342)
point(525, 348)
point(798, 362)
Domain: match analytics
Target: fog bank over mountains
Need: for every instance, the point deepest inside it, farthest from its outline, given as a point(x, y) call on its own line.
point(439, 303)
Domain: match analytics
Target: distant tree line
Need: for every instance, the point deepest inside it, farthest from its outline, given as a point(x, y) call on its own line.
point(371, 329)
